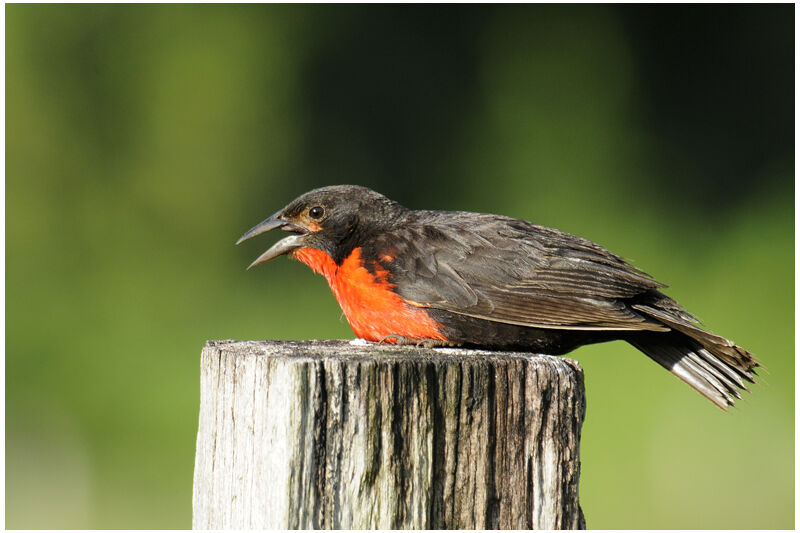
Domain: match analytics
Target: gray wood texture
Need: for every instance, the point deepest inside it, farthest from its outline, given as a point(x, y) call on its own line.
point(340, 435)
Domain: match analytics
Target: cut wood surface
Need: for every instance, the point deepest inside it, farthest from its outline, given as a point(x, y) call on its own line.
point(342, 435)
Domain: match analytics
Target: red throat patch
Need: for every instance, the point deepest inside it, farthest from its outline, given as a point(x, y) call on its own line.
point(372, 308)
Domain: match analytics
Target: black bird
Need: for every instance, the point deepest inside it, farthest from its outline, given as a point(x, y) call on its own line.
point(444, 278)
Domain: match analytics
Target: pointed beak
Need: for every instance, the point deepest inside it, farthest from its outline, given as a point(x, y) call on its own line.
point(283, 246)
point(262, 227)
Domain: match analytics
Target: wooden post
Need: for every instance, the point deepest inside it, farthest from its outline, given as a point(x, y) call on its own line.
point(337, 435)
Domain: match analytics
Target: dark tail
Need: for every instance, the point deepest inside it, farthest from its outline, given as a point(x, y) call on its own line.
point(712, 365)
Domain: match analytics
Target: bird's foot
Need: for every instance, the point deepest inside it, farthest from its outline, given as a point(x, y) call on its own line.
point(399, 340)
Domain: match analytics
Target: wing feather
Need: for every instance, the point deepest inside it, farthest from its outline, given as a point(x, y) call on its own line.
point(508, 270)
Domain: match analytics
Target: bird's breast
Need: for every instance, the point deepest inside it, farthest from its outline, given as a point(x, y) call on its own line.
point(373, 309)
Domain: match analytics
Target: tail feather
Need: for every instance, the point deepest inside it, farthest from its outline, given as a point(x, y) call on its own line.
point(737, 358)
point(678, 357)
point(721, 381)
point(712, 365)
point(730, 372)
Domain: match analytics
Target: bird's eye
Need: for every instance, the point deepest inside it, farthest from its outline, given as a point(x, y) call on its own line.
point(316, 212)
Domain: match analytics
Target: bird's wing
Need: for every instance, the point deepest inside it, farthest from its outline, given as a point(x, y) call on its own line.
point(507, 270)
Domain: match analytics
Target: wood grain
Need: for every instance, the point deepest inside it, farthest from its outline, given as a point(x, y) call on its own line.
point(332, 435)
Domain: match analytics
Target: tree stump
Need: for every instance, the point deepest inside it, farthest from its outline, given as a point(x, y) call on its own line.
point(349, 435)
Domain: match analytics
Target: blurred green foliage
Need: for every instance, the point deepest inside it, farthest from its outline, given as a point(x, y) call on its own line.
point(142, 140)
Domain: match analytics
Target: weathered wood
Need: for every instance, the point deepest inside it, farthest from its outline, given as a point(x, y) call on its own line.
point(331, 434)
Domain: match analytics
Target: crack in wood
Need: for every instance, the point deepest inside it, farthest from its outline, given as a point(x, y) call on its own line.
point(364, 437)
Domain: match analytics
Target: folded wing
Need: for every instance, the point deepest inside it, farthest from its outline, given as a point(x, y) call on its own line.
point(512, 271)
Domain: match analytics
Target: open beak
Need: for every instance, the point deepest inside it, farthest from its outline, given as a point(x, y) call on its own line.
point(283, 246)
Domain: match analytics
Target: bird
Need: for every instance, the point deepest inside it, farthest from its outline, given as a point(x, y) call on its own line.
point(455, 278)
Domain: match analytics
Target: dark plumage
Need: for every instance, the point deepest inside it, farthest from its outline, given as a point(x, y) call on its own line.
point(504, 283)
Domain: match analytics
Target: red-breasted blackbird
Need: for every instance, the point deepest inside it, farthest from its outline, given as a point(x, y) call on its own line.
point(444, 278)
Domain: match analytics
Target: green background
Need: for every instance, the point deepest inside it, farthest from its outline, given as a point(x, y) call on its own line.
point(142, 141)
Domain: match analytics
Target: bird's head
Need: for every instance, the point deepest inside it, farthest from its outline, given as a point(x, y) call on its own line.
point(331, 219)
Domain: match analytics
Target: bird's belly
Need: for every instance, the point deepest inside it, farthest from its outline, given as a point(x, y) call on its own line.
point(372, 308)
point(477, 332)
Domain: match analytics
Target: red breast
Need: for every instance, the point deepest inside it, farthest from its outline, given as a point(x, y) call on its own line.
point(372, 308)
